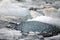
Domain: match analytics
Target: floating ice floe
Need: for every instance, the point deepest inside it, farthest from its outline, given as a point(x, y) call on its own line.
point(51, 12)
point(35, 14)
point(56, 4)
point(46, 19)
point(9, 34)
point(57, 37)
point(11, 9)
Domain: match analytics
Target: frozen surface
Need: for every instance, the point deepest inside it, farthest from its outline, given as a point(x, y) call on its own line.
point(46, 19)
point(12, 11)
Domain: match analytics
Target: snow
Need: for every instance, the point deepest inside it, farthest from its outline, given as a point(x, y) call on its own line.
point(46, 19)
point(34, 14)
point(12, 9)
point(9, 34)
point(57, 37)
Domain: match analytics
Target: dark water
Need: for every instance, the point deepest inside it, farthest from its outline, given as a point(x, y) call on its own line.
point(36, 26)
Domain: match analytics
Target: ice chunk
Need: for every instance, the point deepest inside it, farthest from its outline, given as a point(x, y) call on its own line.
point(46, 19)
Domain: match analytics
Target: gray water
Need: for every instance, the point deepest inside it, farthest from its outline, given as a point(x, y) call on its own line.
point(36, 26)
